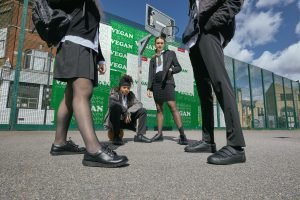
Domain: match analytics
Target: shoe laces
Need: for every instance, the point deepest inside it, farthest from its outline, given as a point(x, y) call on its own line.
point(196, 143)
point(70, 142)
point(109, 151)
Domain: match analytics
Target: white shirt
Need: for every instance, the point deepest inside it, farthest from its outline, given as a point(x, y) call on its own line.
point(194, 39)
point(160, 68)
point(84, 42)
point(124, 100)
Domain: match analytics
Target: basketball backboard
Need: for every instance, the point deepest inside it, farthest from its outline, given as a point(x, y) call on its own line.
point(157, 22)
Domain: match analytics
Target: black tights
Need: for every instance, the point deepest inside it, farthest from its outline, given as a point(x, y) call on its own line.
point(77, 99)
point(175, 113)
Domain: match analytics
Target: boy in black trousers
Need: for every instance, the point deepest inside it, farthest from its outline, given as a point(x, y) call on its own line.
point(126, 112)
point(216, 26)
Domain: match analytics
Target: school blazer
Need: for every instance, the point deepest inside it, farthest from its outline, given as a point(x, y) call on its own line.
point(169, 61)
point(85, 23)
point(115, 97)
point(219, 15)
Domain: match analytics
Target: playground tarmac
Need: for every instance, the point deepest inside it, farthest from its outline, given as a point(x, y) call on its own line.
point(160, 170)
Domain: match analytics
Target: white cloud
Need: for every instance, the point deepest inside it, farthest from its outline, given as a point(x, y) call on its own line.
point(269, 3)
point(235, 50)
point(299, 4)
point(285, 63)
point(257, 28)
point(297, 30)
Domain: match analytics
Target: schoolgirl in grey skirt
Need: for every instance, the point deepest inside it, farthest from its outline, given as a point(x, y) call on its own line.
point(77, 60)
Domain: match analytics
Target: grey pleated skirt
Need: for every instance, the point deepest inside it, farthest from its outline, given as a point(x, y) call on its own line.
point(162, 93)
point(75, 61)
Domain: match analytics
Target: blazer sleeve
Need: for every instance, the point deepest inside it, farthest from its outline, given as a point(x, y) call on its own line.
point(207, 6)
point(114, 99)
point(136, 105)
point(224, 14)
point(63, 3)
point(150, 76)
point(176, 66)
point(100, 57)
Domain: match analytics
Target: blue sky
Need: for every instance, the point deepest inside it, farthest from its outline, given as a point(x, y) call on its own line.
point(267, 35)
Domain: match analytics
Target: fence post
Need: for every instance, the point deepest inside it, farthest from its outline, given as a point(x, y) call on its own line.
point(13, 111)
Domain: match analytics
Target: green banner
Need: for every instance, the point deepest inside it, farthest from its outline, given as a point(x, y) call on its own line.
point(122, 49)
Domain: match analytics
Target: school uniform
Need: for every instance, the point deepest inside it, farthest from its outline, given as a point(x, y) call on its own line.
point(79, 52)
point(217, 26)
point(121, 105)
point(161, 81)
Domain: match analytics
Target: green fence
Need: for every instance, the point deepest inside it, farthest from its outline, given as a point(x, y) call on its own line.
point(29, 97)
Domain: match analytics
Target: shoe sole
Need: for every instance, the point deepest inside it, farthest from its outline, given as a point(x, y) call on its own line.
point(182, 143)
point(117, 144)
point(142, 141)
point(96, 164)
point(136, 140)
point(204, 151)
point(65, 153)
point(160, 140)
point(233, 161)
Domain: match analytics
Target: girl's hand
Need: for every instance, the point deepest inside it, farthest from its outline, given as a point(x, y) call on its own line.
point(149, 94)
point(101, 69)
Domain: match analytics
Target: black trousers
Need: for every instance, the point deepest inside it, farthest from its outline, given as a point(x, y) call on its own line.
point(117, 123)
point(207, 60)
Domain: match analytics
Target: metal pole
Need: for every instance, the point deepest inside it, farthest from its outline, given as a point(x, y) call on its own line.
point(13, 113)
point(275, 100)
point(218, 115)
point(234, 81)
point(142, 45)
point(265, 99)
point(285, 106)
point(294, 105)
point(251, 97)
point(48, 88)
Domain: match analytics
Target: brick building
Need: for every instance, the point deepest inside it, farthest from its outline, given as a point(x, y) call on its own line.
point(33, 96)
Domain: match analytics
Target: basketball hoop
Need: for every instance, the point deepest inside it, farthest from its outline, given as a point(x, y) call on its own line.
point(169, 32)
point(160, 24)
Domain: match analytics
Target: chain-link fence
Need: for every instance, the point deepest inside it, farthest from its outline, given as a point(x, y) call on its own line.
point(29, 97)
point(26, 69)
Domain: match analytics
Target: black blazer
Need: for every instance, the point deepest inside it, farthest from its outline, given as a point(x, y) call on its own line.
point(86, 21)
point(219, 15)
point(169, 61)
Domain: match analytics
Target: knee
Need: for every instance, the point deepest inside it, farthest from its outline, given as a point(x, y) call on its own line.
point(82, 95)
point(173, 109)
point(143, 111)
point(159, 110)
point(115, 108)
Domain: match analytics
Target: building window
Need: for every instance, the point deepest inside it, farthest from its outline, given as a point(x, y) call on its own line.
point(47, 93)
point(3, 36)
point(288, 97)
point(2, 44)
point(2, 48)
point(38, 60)
point(260, 112)
point(28, 96)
